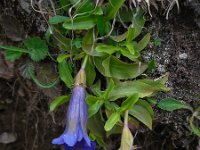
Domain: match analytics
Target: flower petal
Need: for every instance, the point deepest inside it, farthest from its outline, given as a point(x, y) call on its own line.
point(81, 145)
point(83, 115)
point(70, 139)
point(59, 140)
point(80, 132)
point(73, 109)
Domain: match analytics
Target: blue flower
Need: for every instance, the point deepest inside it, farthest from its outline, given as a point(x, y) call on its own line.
point(75, 136)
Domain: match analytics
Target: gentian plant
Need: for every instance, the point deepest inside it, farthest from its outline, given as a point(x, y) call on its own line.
point(75, 135)
point(112, 91)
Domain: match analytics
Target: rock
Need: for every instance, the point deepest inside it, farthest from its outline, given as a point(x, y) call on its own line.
point(183, 56)
point(6, 138)
point(26, 5)
point(6, 68)
point(12, 27)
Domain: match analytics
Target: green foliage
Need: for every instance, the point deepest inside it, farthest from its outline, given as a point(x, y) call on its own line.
point(195, 116)
point(90, 72)
point(112, 8)
point(143, 87)
point(112, 120)
point(57, 19)
point(195, 129)
point(35, 47)
point(59, 101)
point(151, 66)
point(94, 103)
point(12, 55)
point(171, 104)
point(30, 69)
point(80, 23)
point(65, 73)
point(143, 112)
point(157, 42)
point(113, 66)
point(129, 102)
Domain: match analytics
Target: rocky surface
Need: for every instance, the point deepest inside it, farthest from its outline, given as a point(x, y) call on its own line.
point(24, 110)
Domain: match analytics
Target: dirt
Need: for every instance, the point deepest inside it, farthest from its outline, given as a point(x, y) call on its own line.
point(24, 108)
point(178, 55)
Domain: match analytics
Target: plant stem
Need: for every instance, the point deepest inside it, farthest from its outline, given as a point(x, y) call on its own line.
point(126, 118)
point(85, 61)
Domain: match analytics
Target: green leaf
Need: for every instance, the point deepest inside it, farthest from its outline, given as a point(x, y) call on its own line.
point(147, 106)
point(131, 48)
point(151, 65)
point(12, 55)
point(129, 102)
point(37, 48)
point(91, 100)
point(65, 73)
point(64, 4)
point(88, 44)
point(14, 49)
point(171, 104)
point(62, 57)
point(59, 101)
point(195, 130)
point(77, 42)
point(119, 38)
point(131, 53)
point(108, 49)
point(117, 129)
point(96, 88)
point(142, 114)
point(138, 23)
point(142, 87)
point(126, 14)
point(112, 8)
point(95, 125)
point(90, 72)
point(98, 11)
point(57, 19)
point(85, 7)
point(62, 42)
point(101, 142)
point(113, 67)
point(130, 34)
point(143, 43)
point(110, 87)
point(101, 26)
point(152, 100)
point(74, 1)
point(92, 110)
point(30, 72)
point(80, 23)
point(127, 139)
point(112, 120)
point(157, 42)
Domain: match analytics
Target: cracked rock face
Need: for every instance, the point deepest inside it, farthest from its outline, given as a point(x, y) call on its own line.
point(195, 5)
point(13, 29)
point(6, 138)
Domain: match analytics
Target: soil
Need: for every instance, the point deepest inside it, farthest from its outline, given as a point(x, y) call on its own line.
point(24, 108)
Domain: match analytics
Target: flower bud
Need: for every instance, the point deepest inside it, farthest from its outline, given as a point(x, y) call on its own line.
point(80, 78)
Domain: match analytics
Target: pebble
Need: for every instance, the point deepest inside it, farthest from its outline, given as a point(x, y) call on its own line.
point(183, 56)
point(6, 138)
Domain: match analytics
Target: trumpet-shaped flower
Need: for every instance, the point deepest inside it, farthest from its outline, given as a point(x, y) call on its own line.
point(75, 136)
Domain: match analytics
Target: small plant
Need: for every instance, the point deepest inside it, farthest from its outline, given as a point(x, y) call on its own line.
point(171, 104)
